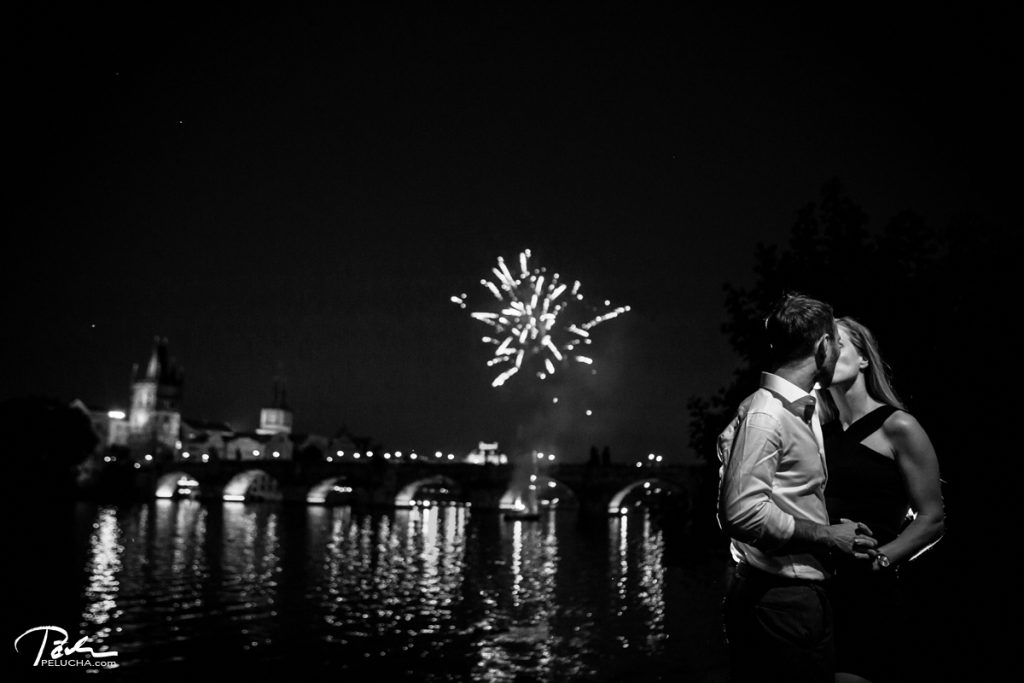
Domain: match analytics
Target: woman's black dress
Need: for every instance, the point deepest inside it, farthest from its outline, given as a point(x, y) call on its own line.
point(865, 486)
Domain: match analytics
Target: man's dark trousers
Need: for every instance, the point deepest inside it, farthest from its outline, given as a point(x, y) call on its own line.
point(778, 629)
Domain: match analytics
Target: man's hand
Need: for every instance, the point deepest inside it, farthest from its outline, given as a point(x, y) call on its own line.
point(847, 537)
point(852, 538)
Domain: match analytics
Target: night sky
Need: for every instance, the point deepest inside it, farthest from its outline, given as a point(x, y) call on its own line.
point(298, 194)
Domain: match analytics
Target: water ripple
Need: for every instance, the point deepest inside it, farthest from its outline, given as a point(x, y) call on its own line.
point(444, 592)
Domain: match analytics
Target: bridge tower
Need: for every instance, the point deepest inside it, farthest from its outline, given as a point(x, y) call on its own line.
point(154, 421)
point(277, 419)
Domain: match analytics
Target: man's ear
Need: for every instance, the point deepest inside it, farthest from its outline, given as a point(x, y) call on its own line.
point(821, 350)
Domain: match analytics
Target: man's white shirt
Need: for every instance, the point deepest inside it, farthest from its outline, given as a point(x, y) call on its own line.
point(772, 472)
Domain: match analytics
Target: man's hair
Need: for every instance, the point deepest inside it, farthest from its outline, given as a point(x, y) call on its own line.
point(794, 326)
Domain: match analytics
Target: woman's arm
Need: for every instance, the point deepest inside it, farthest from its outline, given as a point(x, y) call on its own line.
point(919, 465)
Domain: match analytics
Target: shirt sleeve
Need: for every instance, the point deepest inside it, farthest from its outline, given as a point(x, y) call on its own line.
point(746, 510)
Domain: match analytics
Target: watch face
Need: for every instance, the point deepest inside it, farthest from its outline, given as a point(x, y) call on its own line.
point(883, 560)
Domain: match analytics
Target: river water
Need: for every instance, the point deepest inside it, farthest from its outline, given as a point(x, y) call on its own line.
point(433, 594)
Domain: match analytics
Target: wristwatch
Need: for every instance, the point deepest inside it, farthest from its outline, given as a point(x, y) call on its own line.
point(883, 560)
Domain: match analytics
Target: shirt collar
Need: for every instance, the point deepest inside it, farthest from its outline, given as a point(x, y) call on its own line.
point(782, 387)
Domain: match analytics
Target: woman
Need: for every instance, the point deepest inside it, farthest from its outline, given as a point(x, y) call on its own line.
point(882, 471)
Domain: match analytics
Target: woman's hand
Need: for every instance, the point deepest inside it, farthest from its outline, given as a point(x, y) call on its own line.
point(852, 538)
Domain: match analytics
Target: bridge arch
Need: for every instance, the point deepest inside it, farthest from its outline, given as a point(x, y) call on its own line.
point(550, 492)
point(177, 485)
point(441, 488)
point(334, 491)
point(644, 488)
point(252, 485)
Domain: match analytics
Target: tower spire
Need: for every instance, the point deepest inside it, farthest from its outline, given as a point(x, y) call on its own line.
point(157, 358)
point(280, 389)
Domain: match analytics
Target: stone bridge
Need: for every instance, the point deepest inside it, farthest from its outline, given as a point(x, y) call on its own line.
point(592, 488)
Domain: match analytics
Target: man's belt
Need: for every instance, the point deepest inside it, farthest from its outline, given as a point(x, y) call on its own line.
point(747, 572)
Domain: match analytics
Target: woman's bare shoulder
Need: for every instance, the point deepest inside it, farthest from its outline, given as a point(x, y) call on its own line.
point(902, 428)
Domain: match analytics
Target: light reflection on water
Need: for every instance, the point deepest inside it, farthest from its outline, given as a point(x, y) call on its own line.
point(638, 580)
point(522, 642)
point(104, 569)
point(435, 593)
point(252, 565)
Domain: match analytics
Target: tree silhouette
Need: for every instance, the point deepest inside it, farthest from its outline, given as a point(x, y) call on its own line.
point(925, 294)
point(44, 443)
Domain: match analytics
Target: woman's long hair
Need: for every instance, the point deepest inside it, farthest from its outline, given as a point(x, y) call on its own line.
point(876, 376)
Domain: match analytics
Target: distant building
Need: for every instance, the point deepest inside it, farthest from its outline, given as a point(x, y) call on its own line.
point(259, 447)
point(342, 444)
point(154, 421)
point(311, 445)
point(203, 440)
point(155, 430)
point(486, 454)
point(277, 419)
point(110, 426)
point(280, 447)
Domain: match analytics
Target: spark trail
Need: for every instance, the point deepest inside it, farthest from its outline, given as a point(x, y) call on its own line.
point(538, 321)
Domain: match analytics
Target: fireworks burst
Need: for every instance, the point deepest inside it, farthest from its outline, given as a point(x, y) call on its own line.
point(533, 320)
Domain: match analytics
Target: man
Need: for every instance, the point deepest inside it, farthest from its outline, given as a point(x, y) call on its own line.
point(771, 503)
